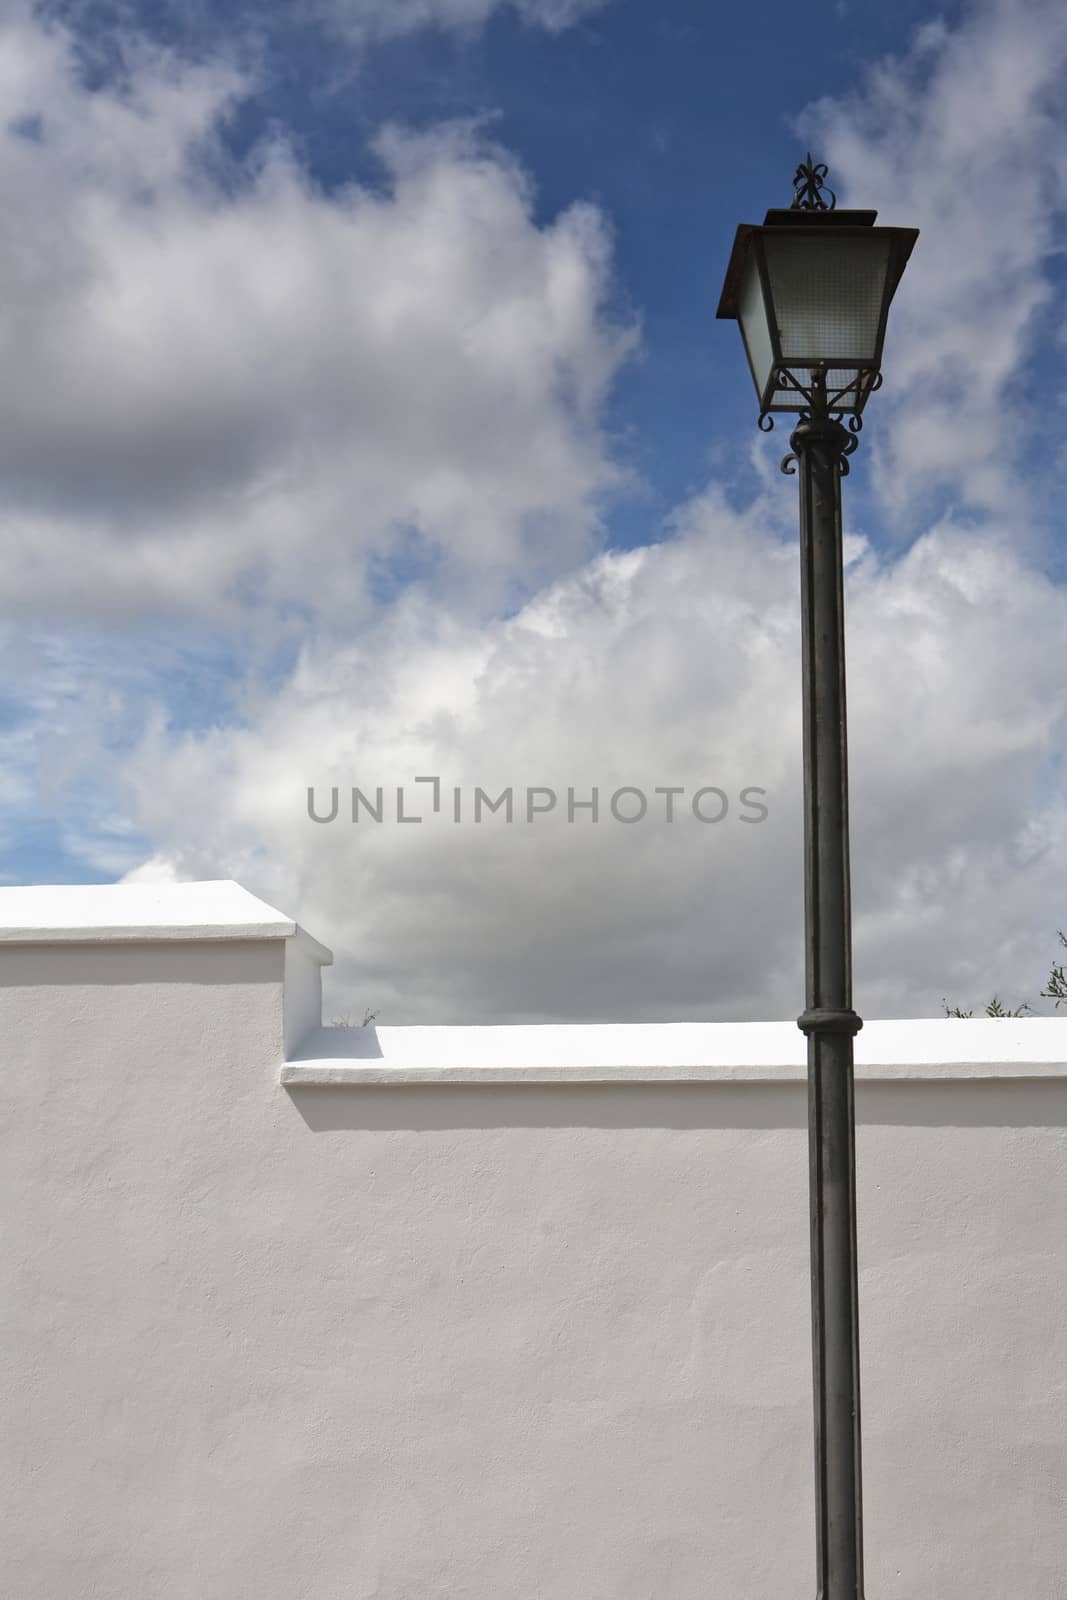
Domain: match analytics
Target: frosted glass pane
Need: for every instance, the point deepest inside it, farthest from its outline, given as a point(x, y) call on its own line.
point(827, 296)
point(753, 318)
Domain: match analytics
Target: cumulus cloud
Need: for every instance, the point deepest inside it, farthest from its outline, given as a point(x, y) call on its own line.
point(669, 666)
point(227, 387)
point(396, 398)
point(962, 138)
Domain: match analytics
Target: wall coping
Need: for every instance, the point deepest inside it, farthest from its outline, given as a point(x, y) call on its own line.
point(603, 1052)
point(132, 913)
point(673, 1052)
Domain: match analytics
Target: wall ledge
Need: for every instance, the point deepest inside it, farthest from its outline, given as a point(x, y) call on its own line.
point(937, 1049)
point(139, 913)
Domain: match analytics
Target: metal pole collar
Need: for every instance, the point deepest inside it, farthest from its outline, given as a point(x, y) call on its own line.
point(823, 1020)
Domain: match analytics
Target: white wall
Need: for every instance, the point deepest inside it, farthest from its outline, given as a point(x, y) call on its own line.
point(475, 1338)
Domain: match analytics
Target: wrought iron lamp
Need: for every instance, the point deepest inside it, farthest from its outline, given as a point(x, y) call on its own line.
point(811, 290)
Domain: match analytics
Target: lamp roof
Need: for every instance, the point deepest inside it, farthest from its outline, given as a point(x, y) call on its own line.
point(812, 211)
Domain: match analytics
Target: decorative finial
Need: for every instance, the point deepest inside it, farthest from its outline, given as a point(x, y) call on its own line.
point(808, 185)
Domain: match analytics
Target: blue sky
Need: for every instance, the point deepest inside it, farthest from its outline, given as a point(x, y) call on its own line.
point(366, 413)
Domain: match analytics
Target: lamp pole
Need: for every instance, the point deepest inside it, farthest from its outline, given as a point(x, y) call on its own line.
point(811, 289)
point(820, 447)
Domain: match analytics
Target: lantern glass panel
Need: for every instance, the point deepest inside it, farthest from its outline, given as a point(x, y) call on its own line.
point(752, 314)
point(827, 294)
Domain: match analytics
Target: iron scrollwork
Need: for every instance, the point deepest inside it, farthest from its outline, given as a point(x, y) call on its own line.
point(810, 189)
point(820, 410)
point(788, 463)
point(821, 402)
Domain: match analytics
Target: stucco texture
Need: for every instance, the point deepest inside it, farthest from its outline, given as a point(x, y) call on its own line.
point(467, 1342)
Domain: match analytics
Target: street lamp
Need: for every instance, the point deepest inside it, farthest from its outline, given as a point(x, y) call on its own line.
point(811, 290)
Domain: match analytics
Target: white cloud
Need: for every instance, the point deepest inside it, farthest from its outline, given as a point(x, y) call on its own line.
point(962, 138)
point(676, 665)
point(223, 386)
point(420, 374)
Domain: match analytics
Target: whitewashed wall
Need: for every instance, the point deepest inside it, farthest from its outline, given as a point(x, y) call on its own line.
point(502, 1312)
